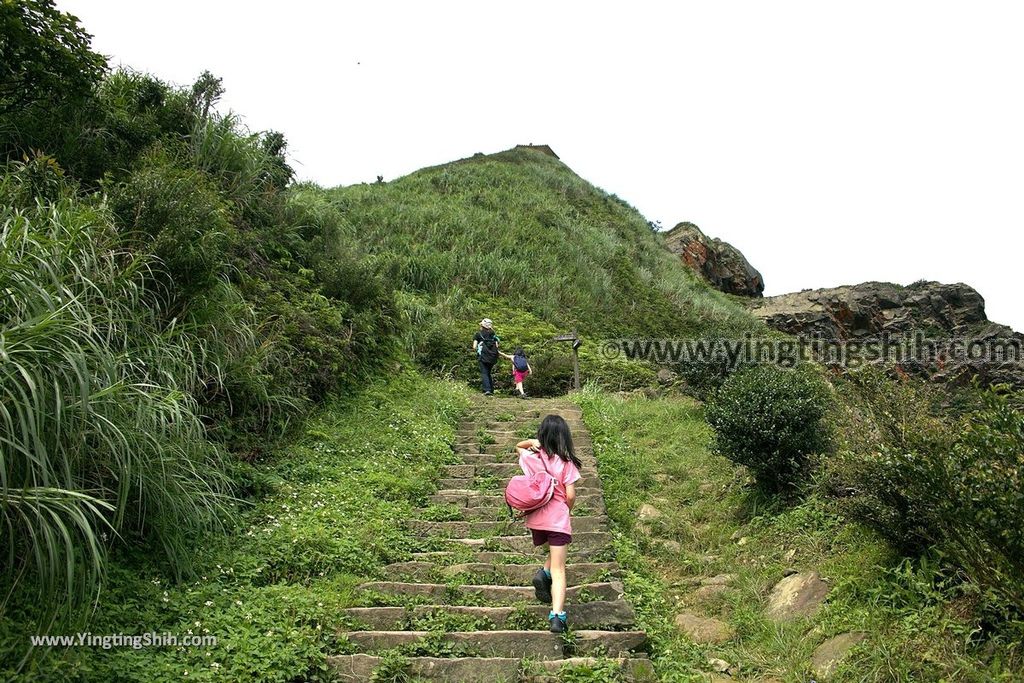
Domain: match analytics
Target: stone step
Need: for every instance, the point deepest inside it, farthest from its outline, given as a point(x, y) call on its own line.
point(611, 615)
point(494, 513)
point(579, 437)
point(477, 447)
point(591, 481)
point(465, 529)
point(505, 446)
point(497, 570)
point(533, 556)
point(496, 573)
point(503, 595)
point(446, 557)
point(479, 458)
point(511, 408)
point(502, 470)
point(474, 435)
point(464, 471)
point(505, 459)
point(532, 644)
point(359, 668)
point(469, 498)
point(517, 430)
point(523, 543)
point(491, 513)
point(499, 513)
point(519, 418)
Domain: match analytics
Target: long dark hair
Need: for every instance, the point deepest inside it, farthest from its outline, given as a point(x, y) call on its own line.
point(556, 439)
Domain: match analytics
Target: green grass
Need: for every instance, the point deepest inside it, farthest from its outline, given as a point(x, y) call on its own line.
point(102, 432)
point(518, 225)
point(272, 590)
point(921, 622)
point(503, 236)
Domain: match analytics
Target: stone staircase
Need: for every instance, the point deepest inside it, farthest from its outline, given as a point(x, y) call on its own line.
point(467, 612)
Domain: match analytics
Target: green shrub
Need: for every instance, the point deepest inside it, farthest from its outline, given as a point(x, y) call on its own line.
point(928, 484)
point(98, 414)
point(982, 517)
point(176, 215)
point(770, 419)
point(890, 440)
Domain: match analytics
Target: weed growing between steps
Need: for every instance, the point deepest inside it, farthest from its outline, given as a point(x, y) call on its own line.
point(709, 520)
point(272, 589)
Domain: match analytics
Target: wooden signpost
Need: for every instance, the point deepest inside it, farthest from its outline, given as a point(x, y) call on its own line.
point(576, 344)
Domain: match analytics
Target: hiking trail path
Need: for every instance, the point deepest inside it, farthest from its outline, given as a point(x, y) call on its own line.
point(482, 578)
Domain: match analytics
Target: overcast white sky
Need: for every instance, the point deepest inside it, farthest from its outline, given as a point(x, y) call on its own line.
point(833, 143)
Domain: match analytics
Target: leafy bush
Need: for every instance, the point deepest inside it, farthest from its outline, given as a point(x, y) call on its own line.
point(704, 375)
point(97, 404)
point(932, 485)
point(770, 420)
point(49, 71)
point(982, 517)
point(181, 220)
point(888, 443)
point(160, 298)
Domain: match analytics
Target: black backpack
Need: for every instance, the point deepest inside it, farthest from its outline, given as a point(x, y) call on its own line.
point(488, 349)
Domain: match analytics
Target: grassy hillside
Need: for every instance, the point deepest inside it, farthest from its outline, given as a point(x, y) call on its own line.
point(522, 227)
point(518, 237)
point(698, 538)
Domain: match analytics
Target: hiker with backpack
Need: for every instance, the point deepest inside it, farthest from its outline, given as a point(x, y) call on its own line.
point(520, 369)
point(485, 343)
point(545, 493)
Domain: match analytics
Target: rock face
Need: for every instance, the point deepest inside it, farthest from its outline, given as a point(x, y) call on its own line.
point(799, 595)
point(872, 310)
point(719, 262)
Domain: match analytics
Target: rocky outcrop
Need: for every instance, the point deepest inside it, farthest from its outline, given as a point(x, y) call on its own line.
point(934, 311)
point(719, 262)
point(870, 308)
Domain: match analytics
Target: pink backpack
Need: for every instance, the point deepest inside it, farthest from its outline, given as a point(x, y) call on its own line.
point(526, 493)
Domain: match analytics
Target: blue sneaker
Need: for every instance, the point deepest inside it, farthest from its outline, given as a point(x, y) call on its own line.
point(542, 586)
point(559, 624)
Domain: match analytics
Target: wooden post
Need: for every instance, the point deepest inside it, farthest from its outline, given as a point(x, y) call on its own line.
point(576, 361)
point(576, 344)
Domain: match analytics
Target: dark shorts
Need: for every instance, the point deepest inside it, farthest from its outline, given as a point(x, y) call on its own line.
point(541, 536)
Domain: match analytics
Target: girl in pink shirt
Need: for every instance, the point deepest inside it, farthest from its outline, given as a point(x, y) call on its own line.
point(552, 452)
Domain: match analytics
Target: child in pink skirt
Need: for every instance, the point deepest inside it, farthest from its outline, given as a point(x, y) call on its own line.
point(520, 369)
point(552, 452)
